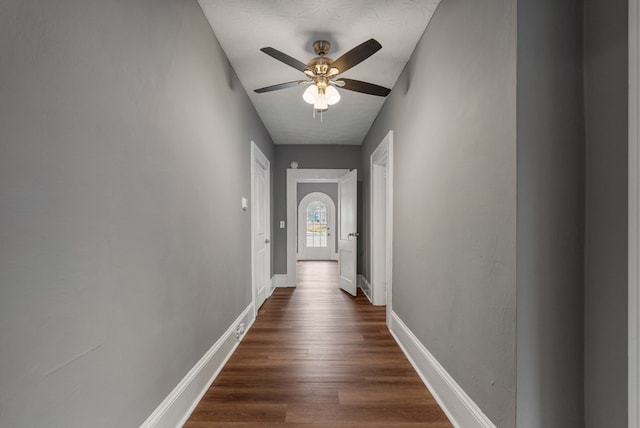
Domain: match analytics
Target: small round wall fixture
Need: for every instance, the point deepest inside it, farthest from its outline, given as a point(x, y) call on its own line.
point(294, 164)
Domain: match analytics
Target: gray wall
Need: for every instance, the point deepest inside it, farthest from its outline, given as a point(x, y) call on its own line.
point(454, 271)
point(124, 254)
point(331, 190)
point(550, 214)
point(606, 96)
point(308, 156)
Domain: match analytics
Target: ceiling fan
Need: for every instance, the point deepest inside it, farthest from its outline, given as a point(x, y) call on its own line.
point(322, 73)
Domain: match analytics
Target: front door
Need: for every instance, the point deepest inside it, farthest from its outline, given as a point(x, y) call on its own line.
point(316, 236)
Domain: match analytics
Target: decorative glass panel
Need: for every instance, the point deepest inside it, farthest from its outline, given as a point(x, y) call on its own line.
point(317, 230)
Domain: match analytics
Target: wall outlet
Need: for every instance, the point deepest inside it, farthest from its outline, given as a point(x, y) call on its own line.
point(239, 331)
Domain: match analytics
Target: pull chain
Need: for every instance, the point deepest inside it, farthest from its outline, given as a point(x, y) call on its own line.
point(314, 114)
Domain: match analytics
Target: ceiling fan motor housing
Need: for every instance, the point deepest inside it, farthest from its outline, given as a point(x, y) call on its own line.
point(321, 47)
point(320, 65)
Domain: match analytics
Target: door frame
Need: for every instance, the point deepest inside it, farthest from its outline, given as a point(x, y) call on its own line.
point(331, 220)
point(295, 176)
point(381, 233)
point(257, 155)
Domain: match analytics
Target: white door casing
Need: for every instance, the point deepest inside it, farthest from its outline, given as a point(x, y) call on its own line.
point(316, 253)
point(381, 170)
point(347, 231)
point(260, 226)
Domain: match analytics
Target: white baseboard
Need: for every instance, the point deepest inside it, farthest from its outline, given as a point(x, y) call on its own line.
point(264, 293)
point(290, 281)
point(279, 280)
point(272, 286)
point(180, 403)
point(365, 286)
point(459, 407)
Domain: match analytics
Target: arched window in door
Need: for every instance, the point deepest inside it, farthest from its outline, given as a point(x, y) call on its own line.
point(317, 231)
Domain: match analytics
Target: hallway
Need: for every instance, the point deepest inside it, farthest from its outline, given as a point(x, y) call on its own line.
point(317, 356)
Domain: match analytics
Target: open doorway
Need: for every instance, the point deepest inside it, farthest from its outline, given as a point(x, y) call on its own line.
point(381, 169)
point(346, 219)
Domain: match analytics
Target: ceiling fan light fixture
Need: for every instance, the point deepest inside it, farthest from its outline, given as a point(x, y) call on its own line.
point(321, 74)
point(321, 98)
point(321, 103)
point(333, 96)
point(310, 95)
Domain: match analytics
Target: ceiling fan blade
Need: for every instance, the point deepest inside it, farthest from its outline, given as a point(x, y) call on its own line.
point(289, 60)
point(364, 87)
point(282, 86)
point(356, 55)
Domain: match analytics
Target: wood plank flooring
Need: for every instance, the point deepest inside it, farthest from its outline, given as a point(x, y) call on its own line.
point(317, 356)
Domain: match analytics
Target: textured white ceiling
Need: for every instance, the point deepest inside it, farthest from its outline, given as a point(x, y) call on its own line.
point(291, 26)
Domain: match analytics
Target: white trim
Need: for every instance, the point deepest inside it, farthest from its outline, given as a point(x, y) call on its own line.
point(331, 221)
point(389, 261)
point(461, 410)
point(265, 291)
point(295, 176)
point(365, 286)
point(634, 217)
point(176, 408)
point(279, 280)
point(381, 161)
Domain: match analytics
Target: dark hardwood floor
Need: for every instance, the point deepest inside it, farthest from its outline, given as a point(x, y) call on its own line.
point(317, 356)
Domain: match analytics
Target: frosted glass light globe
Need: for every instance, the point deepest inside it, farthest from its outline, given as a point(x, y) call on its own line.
point(310, 94)
point(333, 96)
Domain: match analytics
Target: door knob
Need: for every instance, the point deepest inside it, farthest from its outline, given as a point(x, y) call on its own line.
point(267, 241)
point(354, 234)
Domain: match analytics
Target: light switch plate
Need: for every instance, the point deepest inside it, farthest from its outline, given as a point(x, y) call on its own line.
point(245, 204)
point(281, 224)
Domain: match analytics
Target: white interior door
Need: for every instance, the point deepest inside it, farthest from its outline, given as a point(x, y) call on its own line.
point(260, 226)
point(347, 231)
